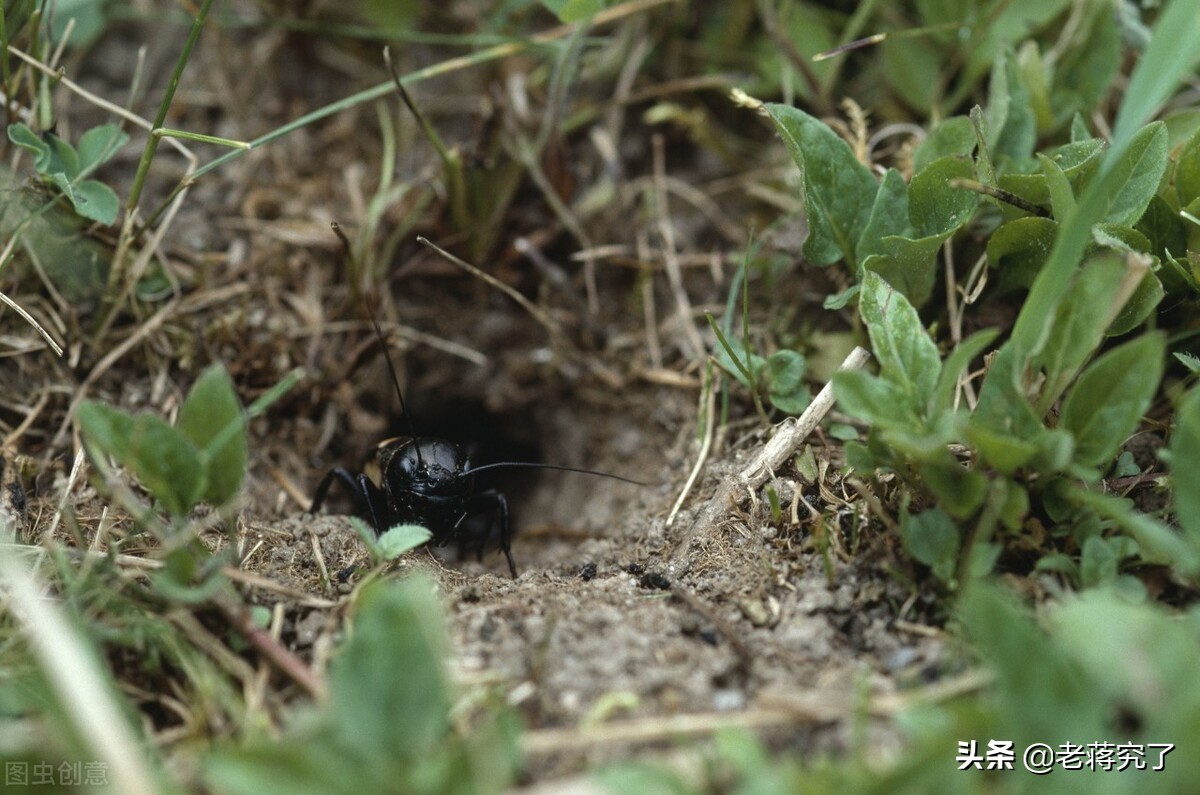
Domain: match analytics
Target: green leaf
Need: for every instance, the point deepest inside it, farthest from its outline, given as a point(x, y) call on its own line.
point(1146, 160)
point(1085, 70)
point(1185, 466)
point(212, 418)
point(932, 538)
point(1148, 294)
point(906, 354)
point(933, 205)
point(889, 216)
point(388, 686)
point(1097, 563)
point(1189, 361)
point(909, 265)
point(94, 200)
point(1028, 670)
point(570, 11)
point(1164, 228)
point(738, 360)
point(159, 456)
point(1080, 324)
point(785, 381)
point(954, 137)
point(1111, 396)
point(1157, 543)
point(1168, 59)
point(1011, 126)
point(839, 191)
point(401, 538)
point(21, 135)
point(1010, 23)
point(1077, 161)
point(1019, 249)
point(63, 157)
point(1062, 199)
point(959, 491)
point(98, 145)
point(953, 367)
point(875, 400)
point(1000, 451)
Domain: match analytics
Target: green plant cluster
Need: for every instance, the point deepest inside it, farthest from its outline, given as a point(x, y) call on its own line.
point(386, 726)
point(1096, 234)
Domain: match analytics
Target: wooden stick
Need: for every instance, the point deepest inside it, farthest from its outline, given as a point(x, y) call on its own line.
point(788, 437)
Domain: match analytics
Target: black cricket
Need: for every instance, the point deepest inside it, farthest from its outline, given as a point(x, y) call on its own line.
point(430, 482)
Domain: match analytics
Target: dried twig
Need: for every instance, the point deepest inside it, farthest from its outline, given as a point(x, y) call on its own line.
point(789, 435)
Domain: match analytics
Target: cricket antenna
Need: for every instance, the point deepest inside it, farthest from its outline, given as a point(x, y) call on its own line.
point(532, 465)
point(387, 355)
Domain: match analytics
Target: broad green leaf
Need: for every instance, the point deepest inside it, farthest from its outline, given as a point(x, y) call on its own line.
point(1137, 309)
point(63, 157)
point(1111, 396)
point(98, 145)
point(22, 136)
point(839, 191)
point(1168, 59)
point(913, 68)
point(1189, 361)
point(953, 367)
point(401, 538)
point(1029, 670)
point(159, 456)
point(1185, 467)
point(953, 137)
point(1080, 324)
point(909, 265)
point(1062, 198)
point(1006, 25)
point(1085, 70)
point(60, 181)
point(1187, 171)
point(1146, 161)
point(391, 711)
point(785, 381)
point(1034, 77)
point(1077, 161)
point(889, 216)
point(875, 400)
point(1015, 505)
point(1012, 128)
point(1157, 543)
point(933, 205)
point(1097, 563)
point(906, 354)
point(1003, 407)
point(95, 201)
point(1163, 227)
point(1019, 249)
point(933, 539)
point(1000, 451)
point(575, 10)
point(212, 418)
point(959, 491)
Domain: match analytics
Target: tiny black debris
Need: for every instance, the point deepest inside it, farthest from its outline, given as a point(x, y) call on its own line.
point(588, 572)
point(652, 579)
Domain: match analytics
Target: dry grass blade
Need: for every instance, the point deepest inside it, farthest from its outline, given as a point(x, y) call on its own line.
point(534, 311)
